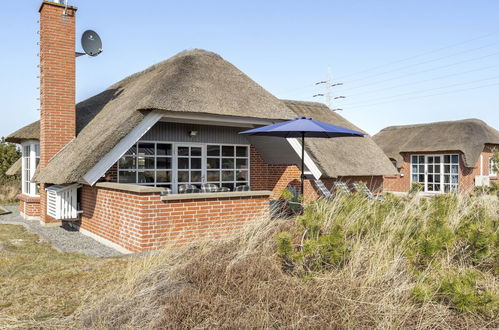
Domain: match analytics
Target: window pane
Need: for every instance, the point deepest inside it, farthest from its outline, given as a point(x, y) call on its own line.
point(163, 176)
point(127, 177)
point(212, 163)
point(454, 169)
point(228, 163)
point(227, 175)
point(213, 150)
point(227, 151)
point(183, 151)
point(421, 178)
point(213, 175)
point(163, 163)
point(447, 159)
point(241, 163)
point(242, 176)
point(195, 151)
point(196, 176)
point(183, 176)
point(455, 159)
point(132, 150)
point(421, 168)
point(415, 178)
point(146, 177)
point(146, 148)
point(127, 162)
point(421, 159)
point(183, 163)
point(242, 151)
point(145, 162)
point(196, 163)
point(163, 149)
point(414, 168)
point(414, 159)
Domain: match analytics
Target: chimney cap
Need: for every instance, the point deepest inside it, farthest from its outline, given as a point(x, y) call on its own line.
point(58, 3)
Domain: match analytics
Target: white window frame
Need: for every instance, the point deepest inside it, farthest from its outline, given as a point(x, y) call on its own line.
point(27, 187)
point(442, 171)
point(174, 157)
point(491, 167)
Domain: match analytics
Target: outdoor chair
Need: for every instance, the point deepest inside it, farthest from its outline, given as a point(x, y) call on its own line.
point(341, 188)
point(209, 188)
point(166, 191)
point(188, 189)
point(364, 190)
point(242, 188)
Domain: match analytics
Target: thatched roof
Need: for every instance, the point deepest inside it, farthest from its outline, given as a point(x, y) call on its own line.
point(28, 132)
point(15, 169)
point(197, 81)
point(468, 136)
point(348, 156)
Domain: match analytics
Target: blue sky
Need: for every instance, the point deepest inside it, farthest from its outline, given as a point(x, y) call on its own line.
point(400, 62)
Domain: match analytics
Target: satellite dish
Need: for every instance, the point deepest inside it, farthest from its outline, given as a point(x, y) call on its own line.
point(91, 43)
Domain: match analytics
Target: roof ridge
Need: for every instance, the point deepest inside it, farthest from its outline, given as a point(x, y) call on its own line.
point(436, 123)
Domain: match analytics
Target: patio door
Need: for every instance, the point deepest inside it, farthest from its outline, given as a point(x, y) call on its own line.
point(189, 165)
point(434, 173)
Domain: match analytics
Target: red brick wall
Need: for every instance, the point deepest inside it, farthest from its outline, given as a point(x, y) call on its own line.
point(57, 84)
point(466, 174)
point(29, 206)
point(141, 221)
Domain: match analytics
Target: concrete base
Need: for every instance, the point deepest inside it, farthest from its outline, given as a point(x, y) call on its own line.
point(51, 224)
point(103, 241)
point(29, 217)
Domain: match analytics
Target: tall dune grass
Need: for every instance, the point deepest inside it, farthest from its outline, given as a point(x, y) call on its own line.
point(9, 189)
point(346, 263)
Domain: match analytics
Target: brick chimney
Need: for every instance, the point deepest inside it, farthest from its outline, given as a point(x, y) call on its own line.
point(57, 84)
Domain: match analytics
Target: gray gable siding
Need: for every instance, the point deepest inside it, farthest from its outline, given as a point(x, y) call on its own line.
point(176, 132)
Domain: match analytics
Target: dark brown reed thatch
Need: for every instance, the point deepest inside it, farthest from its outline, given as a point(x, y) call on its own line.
point(468, 136)
point(28, 132)
point(197, 81)
point(348, 156)
point(15, 169)
point(194, 81)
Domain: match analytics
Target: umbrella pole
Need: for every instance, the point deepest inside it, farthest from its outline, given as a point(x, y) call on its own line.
point(302, 164)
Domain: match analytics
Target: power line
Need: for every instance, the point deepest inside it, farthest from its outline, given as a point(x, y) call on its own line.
point(425, 96)
point(425, 62)
point(422, 71)
point(422, 54)
point(425, 80)
point(431, 89)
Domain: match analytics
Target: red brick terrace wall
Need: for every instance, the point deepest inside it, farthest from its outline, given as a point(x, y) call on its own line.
point(142, 222)
point(29, 206)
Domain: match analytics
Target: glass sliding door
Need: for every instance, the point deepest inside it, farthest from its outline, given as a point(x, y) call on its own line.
point(190, 164)
point(433, 174)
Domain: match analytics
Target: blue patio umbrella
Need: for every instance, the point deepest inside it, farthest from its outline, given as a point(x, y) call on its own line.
point(300, 128)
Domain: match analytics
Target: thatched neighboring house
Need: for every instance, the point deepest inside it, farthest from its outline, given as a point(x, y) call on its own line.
point(442, 156)
point(117, 164)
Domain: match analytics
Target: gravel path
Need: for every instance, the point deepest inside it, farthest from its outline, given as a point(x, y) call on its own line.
point(63, 239)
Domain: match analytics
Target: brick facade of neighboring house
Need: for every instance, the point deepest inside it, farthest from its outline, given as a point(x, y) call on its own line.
point(402, 182)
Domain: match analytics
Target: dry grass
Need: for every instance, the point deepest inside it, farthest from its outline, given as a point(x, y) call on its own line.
point(244, 283)
point(241, 283)
point(40, 287)
point(9, 190)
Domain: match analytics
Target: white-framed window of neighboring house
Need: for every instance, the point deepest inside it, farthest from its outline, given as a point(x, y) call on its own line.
point(437, 173)
point(492, 167)
point(170, 164)
point(30, 159)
